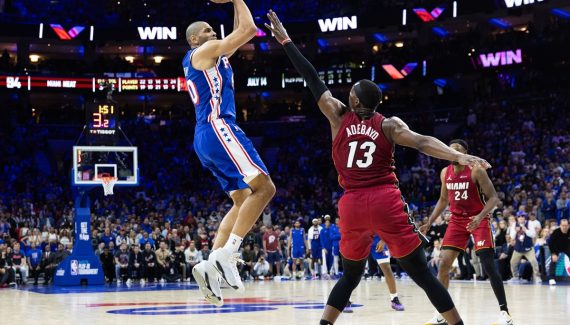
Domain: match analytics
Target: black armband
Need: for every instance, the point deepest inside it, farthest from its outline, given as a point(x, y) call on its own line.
point(306, 70)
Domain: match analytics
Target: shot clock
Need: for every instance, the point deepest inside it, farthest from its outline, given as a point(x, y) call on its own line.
point(102, 118)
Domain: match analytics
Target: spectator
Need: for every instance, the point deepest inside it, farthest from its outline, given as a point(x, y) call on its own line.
point(121, 238)
point(261, 269)
point(549, 207)
point(107, 262)
point(434, 257)
point(146, 239)
point(205, 251)
point(46, 264)
point(35, 260)
point(559, 243)
point(247, 255)
point(179, 260)
point(500, 235)
point(7, 274)
point(562, 207)
point(524, 247)
point(150, 266)
point(327, 246)
point(57, 258)
point(161, 254)
point(266, 217)
point(533, 223)
point(271, 249)
point(192, 257)
point(122, 263)
point(136, 260)
point(17, 259)
point(503, 255)
point(108, 238)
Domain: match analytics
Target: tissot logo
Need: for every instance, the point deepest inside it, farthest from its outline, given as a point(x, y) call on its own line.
point(426, 16)
point(339, 23)
point(157, 33)
point(518, 3)
point(501, 58)
point(401, 74)
point(66, 35)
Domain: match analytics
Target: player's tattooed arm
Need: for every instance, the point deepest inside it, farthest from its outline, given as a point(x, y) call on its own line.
point(331, 107)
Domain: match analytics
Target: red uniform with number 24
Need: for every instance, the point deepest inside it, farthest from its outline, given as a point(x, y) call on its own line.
point(372, 202)
point(465, 202)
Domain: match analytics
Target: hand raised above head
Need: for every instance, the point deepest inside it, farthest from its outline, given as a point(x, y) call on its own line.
point(276, 27)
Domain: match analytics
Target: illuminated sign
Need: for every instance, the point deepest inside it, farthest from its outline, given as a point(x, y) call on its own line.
point(13, 82)
point(426, 16)
point(518, 3)
point(338, 23)
point(400, 74)
point(256, 81)
point(66, 35)
point(500, 58)
point(61, 83)
point(118, 84)
point(336, 76)
point(285, 81)
point(101, 119)
point(157, 33)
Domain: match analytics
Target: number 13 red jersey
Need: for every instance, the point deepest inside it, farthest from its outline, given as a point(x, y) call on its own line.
point(462, 192)
point(362, 155)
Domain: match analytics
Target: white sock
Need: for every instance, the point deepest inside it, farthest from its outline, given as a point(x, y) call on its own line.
point(393, 295)
point(233, 243)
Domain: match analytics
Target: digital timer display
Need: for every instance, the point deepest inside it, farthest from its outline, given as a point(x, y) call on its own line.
point(102, 118)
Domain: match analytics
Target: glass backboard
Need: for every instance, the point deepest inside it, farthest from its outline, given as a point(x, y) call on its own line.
point(92, 163)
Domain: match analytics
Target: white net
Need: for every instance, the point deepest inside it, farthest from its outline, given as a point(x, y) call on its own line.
point(108, 184)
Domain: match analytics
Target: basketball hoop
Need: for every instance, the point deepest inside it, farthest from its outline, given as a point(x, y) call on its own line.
point(108, 183)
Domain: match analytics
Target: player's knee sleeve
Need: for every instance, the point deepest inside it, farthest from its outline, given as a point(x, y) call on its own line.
point(342, 290)
point(415, 265)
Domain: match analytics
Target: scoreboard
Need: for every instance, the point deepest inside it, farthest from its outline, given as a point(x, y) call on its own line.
point(119, 84)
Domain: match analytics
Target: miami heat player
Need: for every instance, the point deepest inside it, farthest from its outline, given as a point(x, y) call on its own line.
point(363, 154)
point(464, 189)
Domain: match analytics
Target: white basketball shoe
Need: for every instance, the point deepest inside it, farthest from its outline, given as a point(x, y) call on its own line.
point(437, 319)
point(504, 319)
point(208, 280)
point(226, 263)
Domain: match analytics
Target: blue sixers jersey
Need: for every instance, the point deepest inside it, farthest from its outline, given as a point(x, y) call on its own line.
point(211, 90)
point(298, 237)
point(219, 143)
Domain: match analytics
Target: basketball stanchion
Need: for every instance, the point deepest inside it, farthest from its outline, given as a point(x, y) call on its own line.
point(101, 163)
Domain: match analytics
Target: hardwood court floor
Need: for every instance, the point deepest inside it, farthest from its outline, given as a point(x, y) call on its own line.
point(271, 302)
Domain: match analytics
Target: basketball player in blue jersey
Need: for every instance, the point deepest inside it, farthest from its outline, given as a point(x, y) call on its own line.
point(298, 248)
point(314, 234)
point(223, 147)
point(381, 255)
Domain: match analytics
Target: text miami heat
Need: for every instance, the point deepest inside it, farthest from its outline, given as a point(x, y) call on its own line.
point(457, 186)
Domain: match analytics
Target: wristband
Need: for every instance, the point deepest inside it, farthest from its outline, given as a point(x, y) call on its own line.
point(285, 41)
